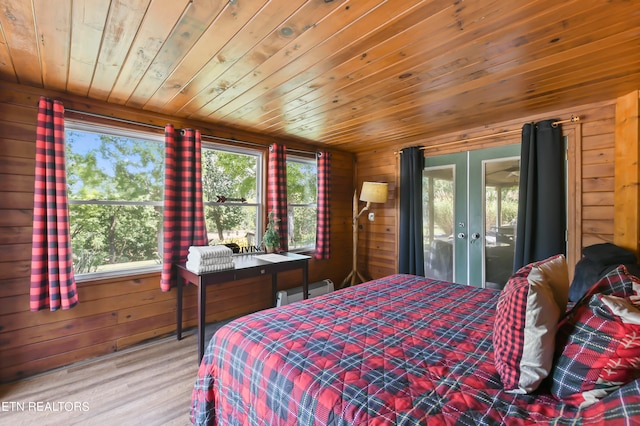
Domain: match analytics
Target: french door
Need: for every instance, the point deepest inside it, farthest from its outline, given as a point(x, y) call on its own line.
point(470, 202)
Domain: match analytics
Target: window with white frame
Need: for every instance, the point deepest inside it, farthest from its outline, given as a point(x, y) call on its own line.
point(115, 181)
point(231, 182)
point(302, 177)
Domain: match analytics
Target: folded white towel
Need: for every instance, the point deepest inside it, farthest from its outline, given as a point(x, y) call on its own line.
point(194, 259)
point(209, 252)
point(201, 269)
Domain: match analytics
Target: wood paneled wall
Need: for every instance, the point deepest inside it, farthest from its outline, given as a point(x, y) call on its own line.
point(119, 312)
point(627, 190)
point(591, 180)
point(377, 240)
point(595, 189)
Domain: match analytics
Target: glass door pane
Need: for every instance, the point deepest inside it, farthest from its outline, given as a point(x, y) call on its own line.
point(493, 205)
point(500, 214)
point(470, 204)
point(438, 189)
point(444, 190)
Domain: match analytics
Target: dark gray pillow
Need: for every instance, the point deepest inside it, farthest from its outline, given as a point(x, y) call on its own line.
point(598, 260)
point(609, 254)
point(587, 273)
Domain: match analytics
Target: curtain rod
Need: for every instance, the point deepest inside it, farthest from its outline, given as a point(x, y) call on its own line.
point(573, 119)
point(157, 127)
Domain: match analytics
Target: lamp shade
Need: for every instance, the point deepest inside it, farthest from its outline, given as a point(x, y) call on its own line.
point(374, 192)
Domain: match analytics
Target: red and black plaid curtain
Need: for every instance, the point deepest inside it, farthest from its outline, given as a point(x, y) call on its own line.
point(277, 190)
point(323, 223)
point(53, 283)
point(183, 218)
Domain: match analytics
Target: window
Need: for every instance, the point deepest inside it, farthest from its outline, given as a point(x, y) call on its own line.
point(115, 184)
point(230, 190)
point(302, 199)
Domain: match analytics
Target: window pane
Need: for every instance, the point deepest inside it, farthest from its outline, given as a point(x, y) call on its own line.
point(302, 199)
point(106, 167)
point(230, 182)
point(115, 185)
point(229, 176)
point(302, 226)
point(301, 182)
point(111, 237)
point(232, 224)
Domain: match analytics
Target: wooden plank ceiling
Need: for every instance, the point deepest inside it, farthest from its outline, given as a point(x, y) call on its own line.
point(353, 75)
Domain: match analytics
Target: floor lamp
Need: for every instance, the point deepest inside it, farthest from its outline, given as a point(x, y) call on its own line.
point(372, 192)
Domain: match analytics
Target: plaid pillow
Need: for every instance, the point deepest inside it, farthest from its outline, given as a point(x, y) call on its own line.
point(602, 352)
point(525, 326)
point(617, 282)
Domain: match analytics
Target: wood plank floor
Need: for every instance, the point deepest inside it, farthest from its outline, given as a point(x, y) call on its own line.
point(145, 385)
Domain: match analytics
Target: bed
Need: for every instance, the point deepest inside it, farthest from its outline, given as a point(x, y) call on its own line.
point(400, 350)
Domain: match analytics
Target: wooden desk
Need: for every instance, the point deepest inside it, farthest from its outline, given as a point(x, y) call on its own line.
point(246, 266)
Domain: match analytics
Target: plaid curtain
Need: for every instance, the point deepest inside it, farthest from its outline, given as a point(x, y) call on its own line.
point(53, 283)
point(323, 222)
point(183, 217)
point(277, 190)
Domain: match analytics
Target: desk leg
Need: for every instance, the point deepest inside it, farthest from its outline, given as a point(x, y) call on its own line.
point(202, 303)
point(305, 280)
point(179, 310)
point(274, 289)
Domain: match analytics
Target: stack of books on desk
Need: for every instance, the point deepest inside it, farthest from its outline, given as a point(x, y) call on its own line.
point(202, 259)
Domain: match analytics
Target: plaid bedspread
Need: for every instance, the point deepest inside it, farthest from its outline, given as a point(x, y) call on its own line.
point(401, 350)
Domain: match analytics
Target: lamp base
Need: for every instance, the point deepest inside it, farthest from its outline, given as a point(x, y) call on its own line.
point(352, 279)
